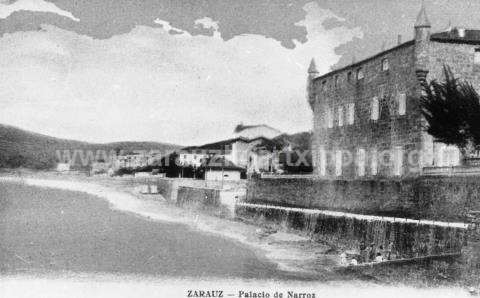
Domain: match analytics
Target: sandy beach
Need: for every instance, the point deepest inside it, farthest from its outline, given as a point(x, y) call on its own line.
point(72, 234)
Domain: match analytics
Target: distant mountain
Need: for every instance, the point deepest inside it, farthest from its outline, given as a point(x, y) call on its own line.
point(300, 140)
point(300, 159)
point(21, 148)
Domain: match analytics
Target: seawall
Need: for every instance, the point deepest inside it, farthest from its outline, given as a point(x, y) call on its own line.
point(347, 231)
point(449, 243)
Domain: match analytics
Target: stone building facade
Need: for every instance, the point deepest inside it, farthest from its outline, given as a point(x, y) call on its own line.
point(367, 118)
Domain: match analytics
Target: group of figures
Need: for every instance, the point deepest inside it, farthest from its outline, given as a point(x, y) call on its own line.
point(370, 253)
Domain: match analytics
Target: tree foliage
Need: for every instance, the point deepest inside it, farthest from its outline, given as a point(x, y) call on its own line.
point(452, 111)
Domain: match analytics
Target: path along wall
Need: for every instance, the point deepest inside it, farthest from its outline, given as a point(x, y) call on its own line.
point(446, 199)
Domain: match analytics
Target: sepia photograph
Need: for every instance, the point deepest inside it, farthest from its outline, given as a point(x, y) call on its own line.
point(239, 148)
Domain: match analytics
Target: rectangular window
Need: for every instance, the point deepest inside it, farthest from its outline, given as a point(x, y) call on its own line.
point(385, 65)
point(375, 109)
point(338, 162)
point(402, 103)
point(351, 113)
point(340, 116)
point(381, 91)
point(476, 57)
point(361, 162)
point(323, 161)
point(398, 161)
point(329, 118)
point(374, 162)
point(360, 74)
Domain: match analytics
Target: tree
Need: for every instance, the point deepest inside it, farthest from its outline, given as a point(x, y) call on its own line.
point(169, 165)
point(452, 111)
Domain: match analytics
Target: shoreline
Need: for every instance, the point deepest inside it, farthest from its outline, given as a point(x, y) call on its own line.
point(289, 256)
point(122, 197)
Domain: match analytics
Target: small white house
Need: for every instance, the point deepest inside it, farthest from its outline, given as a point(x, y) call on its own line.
point(220, 169)
point(191, 158)
point(63, 167)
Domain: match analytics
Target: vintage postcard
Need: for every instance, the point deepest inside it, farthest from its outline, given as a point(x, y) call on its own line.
point(247, 149)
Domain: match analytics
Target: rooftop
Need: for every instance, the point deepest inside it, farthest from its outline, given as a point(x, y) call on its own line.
point(226, 144)
point(455, 35)
point(240, 127)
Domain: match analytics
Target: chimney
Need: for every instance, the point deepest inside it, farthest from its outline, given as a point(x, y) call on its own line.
point(399, 39)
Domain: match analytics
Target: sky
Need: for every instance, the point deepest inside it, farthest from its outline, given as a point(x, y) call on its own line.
point(183, 71)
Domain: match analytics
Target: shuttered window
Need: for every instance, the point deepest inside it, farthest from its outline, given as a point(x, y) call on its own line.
point(397, 161)
point(373, 162)
point(329, 117)
point(361, 156)
point(340, 115)
point(351, 113)
point(338, 162)
point(402, 103)
point(375, 109)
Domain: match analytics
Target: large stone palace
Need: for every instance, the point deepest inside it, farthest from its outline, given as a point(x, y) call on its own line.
point(367, 118)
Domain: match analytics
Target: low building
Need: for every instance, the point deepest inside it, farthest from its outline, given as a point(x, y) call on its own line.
point(99, 168)
point(221, 169)
point(135, 160)
point(254, 155)
point(63, 167)
point(192, 157)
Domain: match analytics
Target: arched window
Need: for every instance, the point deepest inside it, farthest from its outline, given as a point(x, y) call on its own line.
point(385, 65)
point(360, 75)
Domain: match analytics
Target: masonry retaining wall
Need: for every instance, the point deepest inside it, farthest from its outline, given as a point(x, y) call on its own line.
point(434, 198)
point(410, 238)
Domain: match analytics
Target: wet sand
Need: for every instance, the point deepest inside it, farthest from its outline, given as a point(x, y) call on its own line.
point(45, 230)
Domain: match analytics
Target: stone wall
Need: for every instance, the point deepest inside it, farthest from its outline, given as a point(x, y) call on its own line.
point(459, 57)
point(391, 130)
point(392, 134)
point(198, 197)
point(445, 199)
point(349, 232)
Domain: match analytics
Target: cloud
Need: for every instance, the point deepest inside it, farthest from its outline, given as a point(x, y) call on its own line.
point(151, 85)
point(7, 9)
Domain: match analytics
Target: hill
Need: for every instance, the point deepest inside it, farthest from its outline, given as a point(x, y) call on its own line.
point(300, 140)
point(21, 148)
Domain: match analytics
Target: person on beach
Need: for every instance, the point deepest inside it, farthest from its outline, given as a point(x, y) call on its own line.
point(343, 259)
point(390, 249)
point(379, 258)
point(372, 252)
point(363, 253)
